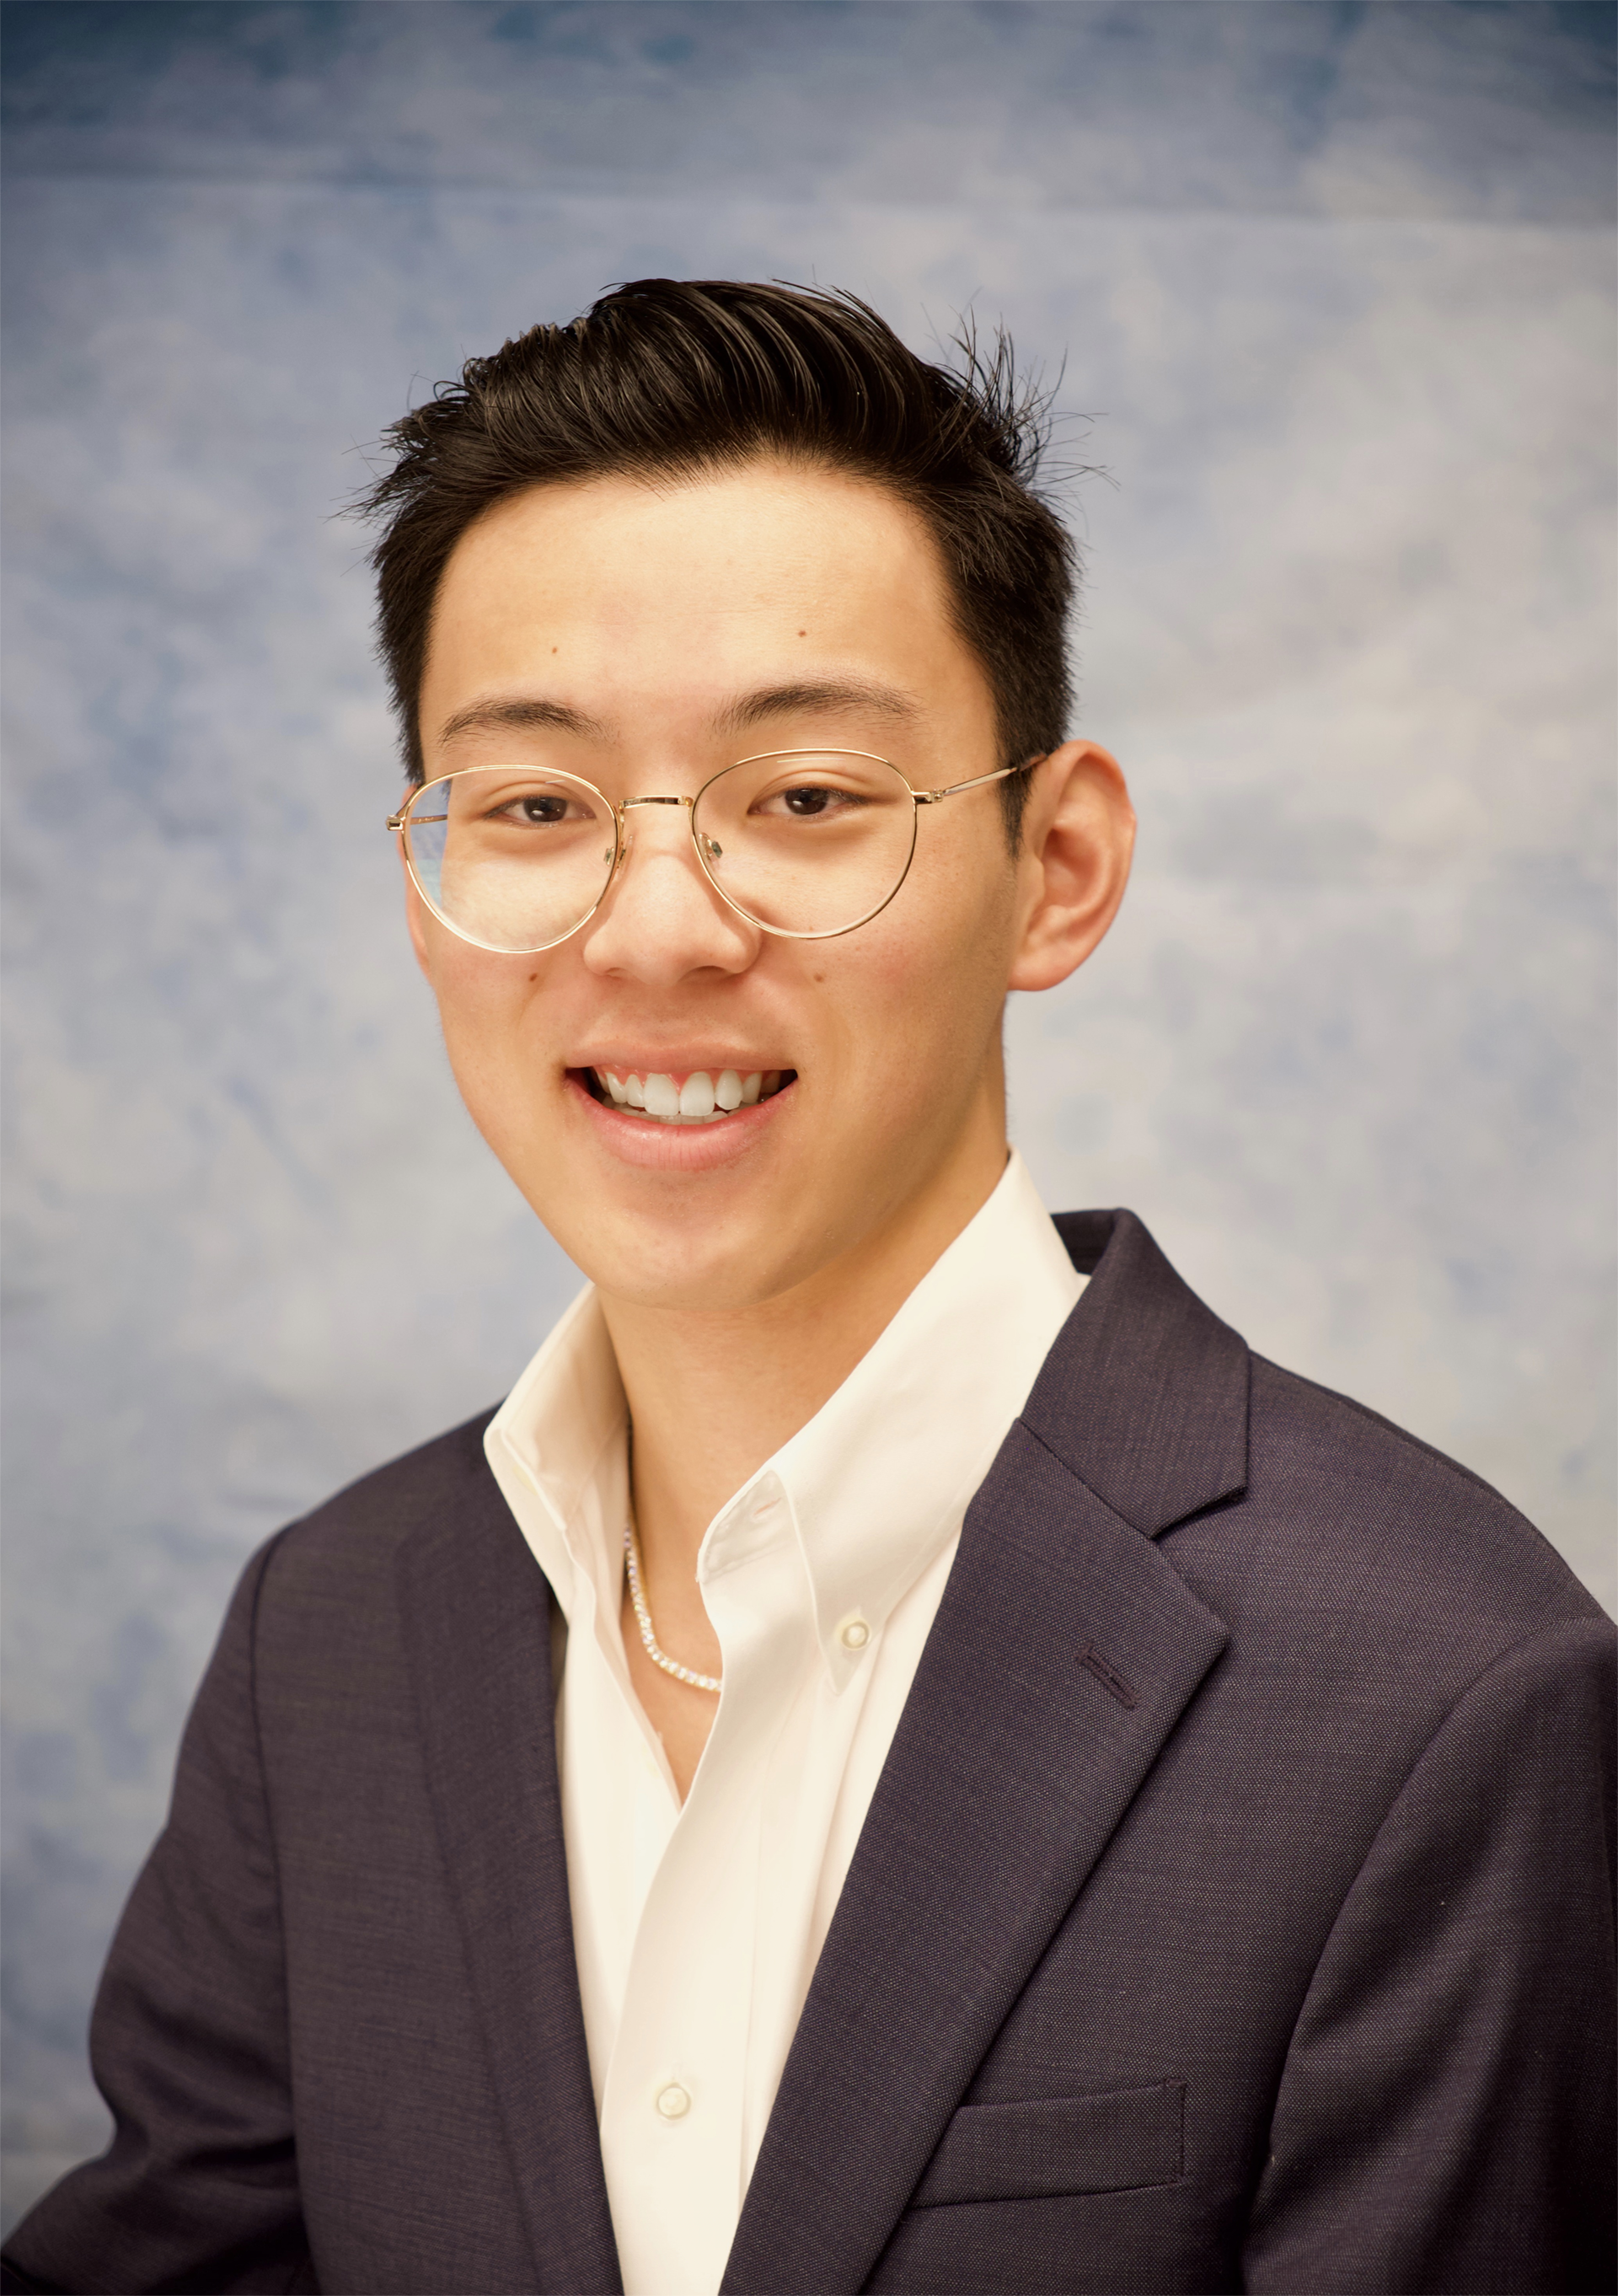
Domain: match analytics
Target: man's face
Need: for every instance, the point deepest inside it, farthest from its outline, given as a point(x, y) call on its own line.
point(682, 626)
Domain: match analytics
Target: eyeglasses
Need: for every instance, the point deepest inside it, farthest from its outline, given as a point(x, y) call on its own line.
point(804, 843)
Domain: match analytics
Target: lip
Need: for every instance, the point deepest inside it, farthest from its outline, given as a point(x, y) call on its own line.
point(678, 1065)
point(675, 1147)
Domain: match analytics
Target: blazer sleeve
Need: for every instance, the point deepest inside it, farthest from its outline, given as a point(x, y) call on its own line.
point(198, 2189)
point(1445, 2120)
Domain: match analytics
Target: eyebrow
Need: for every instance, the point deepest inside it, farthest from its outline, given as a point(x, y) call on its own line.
point(819, 697)
point(803, 697)
point(532, 711)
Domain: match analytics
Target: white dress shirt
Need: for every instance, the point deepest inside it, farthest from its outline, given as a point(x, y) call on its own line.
point(697, 1930)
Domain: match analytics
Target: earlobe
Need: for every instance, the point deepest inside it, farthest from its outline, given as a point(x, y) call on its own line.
point(1079, 835)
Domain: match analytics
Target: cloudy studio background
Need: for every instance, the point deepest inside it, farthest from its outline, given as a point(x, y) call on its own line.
point(1334, 283)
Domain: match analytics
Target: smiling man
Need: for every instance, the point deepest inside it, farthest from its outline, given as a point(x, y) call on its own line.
point(901, 1757)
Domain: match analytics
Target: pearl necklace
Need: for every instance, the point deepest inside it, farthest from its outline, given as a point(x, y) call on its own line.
point(637, 1596)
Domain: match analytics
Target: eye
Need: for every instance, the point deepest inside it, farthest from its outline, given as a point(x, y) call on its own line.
point(539, 810)
point(809, 801)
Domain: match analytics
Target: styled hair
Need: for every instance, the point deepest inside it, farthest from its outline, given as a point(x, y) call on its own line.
point(671, 376)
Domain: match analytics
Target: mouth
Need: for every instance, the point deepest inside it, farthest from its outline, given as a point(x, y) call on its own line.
point(702, 1096)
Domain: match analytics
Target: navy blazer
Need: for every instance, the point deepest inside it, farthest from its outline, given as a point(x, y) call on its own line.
point(1234, 1910)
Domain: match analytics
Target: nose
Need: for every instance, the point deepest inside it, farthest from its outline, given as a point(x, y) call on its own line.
point(661, 920)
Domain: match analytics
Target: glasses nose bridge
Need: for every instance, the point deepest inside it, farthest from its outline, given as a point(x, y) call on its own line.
point(626, 835)
point(623, 811)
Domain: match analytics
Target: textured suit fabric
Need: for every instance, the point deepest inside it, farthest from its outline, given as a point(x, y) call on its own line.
point(1235, 1910)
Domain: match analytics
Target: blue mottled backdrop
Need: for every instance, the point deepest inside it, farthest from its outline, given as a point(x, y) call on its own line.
point(1334, 284)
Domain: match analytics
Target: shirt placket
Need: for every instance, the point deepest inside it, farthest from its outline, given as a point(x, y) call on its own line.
point(672, 2120)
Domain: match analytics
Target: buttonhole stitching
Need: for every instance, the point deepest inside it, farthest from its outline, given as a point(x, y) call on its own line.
point(1107, 1675)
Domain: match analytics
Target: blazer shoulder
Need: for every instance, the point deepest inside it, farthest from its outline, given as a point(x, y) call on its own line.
point(1371, 1492)
point(357, 1532)
point(1279, 1500)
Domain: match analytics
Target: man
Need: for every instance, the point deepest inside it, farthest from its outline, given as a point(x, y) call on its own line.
point(901, 1757)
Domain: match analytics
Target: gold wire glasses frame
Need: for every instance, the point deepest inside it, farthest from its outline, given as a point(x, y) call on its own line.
point(512, 858)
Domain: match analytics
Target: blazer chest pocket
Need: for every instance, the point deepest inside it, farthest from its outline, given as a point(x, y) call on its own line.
point(1114, 2141)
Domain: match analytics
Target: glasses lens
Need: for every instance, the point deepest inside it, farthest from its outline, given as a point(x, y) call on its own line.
point(513, 859)
point(807, 842)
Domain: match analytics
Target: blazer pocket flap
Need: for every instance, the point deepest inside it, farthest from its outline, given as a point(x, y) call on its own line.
point(1109, 2141)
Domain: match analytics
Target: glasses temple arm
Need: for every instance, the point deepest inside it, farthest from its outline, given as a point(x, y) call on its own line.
point(936, 797)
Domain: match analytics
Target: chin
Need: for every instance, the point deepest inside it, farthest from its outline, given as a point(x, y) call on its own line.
point(667, 1255)
point(686, 1283)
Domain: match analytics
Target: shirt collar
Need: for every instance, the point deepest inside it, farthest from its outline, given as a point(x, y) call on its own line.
point(878, 1480)
point(875, 1484)
point(555, 1446)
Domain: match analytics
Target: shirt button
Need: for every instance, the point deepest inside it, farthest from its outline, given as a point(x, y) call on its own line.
point(673, 2103)
point(854, 1634)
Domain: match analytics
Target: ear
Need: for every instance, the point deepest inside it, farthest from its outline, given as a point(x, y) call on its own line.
point(415, 916)
point(1078, 835)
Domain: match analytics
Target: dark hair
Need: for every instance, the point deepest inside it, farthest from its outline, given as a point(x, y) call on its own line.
point(675, 375)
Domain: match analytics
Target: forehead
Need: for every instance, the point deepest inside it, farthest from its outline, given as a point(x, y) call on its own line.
point(619, 595)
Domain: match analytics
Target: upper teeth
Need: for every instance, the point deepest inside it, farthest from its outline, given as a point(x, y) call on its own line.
point(700, 1100)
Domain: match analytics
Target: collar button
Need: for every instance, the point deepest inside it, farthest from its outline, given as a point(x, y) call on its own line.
point(854, 1633)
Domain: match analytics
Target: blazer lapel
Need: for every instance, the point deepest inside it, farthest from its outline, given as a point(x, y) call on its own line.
point(1145, 1394)
point(476, 1610)
point(1065, 1649)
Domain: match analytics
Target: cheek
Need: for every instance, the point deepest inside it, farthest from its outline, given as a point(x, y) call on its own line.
point(923, 994)
point(488, 1008)
point(955, 944)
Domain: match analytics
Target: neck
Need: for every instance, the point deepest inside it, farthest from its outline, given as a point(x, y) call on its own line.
point(712, 1395)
